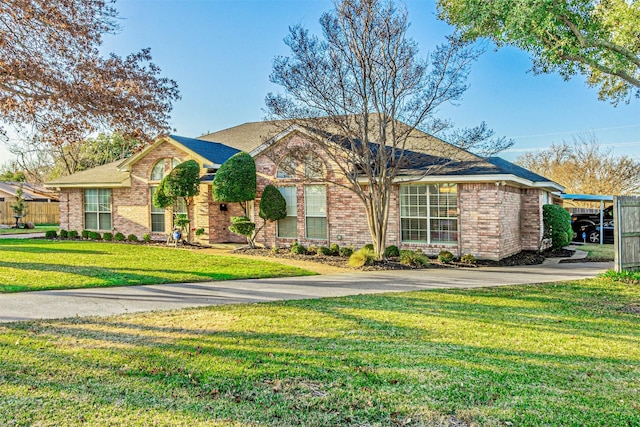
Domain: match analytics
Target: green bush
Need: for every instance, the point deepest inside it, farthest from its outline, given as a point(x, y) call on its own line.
point(557, 225)
point(107, 236)
point(73, 234)
point(346, 251)
point(50, 234)
point(368, 246)
point(391, 251)
point(64, 234)
point(312, 250)
point(362, 257)
point(445, 257)
point(298, 249)
point(273, 205)
point(119, 237)
point(323, 250)
point(468, 259)
point(199, 231)
point(85, 234)
point(132, 238)
point(235, 180)
point(94, 235)
point(334, 249)
point(146, 237)
point(242, 225)
point(413, 258)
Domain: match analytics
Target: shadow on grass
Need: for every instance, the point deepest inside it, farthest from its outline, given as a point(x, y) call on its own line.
point(347, 370)
point(39, 249)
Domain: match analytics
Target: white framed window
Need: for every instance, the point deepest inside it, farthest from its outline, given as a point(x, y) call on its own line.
point(97, 209)
point(288, 226)
point(315, 208)
point(429, 213)
point(287, 168)
point(157, 173)
point(157, 214)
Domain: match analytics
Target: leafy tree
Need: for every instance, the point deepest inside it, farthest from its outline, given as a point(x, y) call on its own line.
point(364, 82)
point(9, 174)
point(54, 80)
point(183, 182)
point(582, 166)
point(599, 39)
point(235, 181)
point(273, 206)
point(19, 208)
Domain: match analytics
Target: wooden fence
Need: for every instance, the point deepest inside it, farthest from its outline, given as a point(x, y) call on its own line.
point(626, 214)
point(37, 213)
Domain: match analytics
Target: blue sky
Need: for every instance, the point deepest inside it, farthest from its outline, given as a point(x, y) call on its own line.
point(220, 52)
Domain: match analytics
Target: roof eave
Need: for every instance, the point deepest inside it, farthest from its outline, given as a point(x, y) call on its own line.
point(121, 184)
point(498, 179)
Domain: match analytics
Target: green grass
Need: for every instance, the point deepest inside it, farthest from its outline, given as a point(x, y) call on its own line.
point(39, 229)
point(563, 354)
point(30, 265)
point(600, 252)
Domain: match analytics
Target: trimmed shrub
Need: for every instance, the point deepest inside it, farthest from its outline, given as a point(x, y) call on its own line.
point(391, 251)
point(323, 250)
point(73, 234)
point(362, 257)
point(298, 249)
point(94, 235)
point(146, 237)
point(85, 234)
point(312, 250)
point(50, 234)
point(107, 236)
point(445, 257)
point(199, 231)
point(132, 238)
point(119, 237)
point(242, 225)
point(468, 259)
point(557, 225)
point(334, 249)
point(235, 180)
point(368, 246)
point(64, 234)
point(413, 258)
point(346, 251)
point(273, 205)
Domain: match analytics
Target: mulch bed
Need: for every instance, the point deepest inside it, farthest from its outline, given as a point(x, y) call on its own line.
point(522, 258)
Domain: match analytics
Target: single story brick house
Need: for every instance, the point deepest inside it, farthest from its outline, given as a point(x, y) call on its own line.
point(487, 207)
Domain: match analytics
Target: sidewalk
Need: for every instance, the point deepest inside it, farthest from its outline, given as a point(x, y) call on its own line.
point(118, 300)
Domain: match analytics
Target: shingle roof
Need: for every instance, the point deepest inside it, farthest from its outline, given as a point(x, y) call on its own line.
point(214, 152)
point(246, 137)
point(104, 176)
point(30, 191)
point(513, 169)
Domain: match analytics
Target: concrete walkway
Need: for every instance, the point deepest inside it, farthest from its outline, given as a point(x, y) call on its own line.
point(107, 301)
point(22, 236)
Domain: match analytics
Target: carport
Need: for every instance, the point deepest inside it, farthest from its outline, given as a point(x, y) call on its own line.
point(591, 198)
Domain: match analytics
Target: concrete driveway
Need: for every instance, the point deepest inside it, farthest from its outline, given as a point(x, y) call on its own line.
point(131, 299)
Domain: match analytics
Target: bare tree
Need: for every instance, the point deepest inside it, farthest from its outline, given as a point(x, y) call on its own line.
point(582, 166)
point(54, 83)
point(365, 95)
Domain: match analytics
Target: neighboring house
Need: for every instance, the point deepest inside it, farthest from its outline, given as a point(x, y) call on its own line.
point(487, 207)
point(30, 192)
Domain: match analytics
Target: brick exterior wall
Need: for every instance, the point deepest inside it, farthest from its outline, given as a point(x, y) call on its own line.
point(494, 221)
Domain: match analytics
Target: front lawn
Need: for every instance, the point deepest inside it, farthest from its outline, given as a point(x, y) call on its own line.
point(39, 229)
point(598, 252)
point(30, 265)
point(565, 354)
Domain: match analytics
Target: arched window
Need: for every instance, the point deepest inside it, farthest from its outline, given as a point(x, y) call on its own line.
point(313, 166)
point(157, 173)
point(287, 168)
